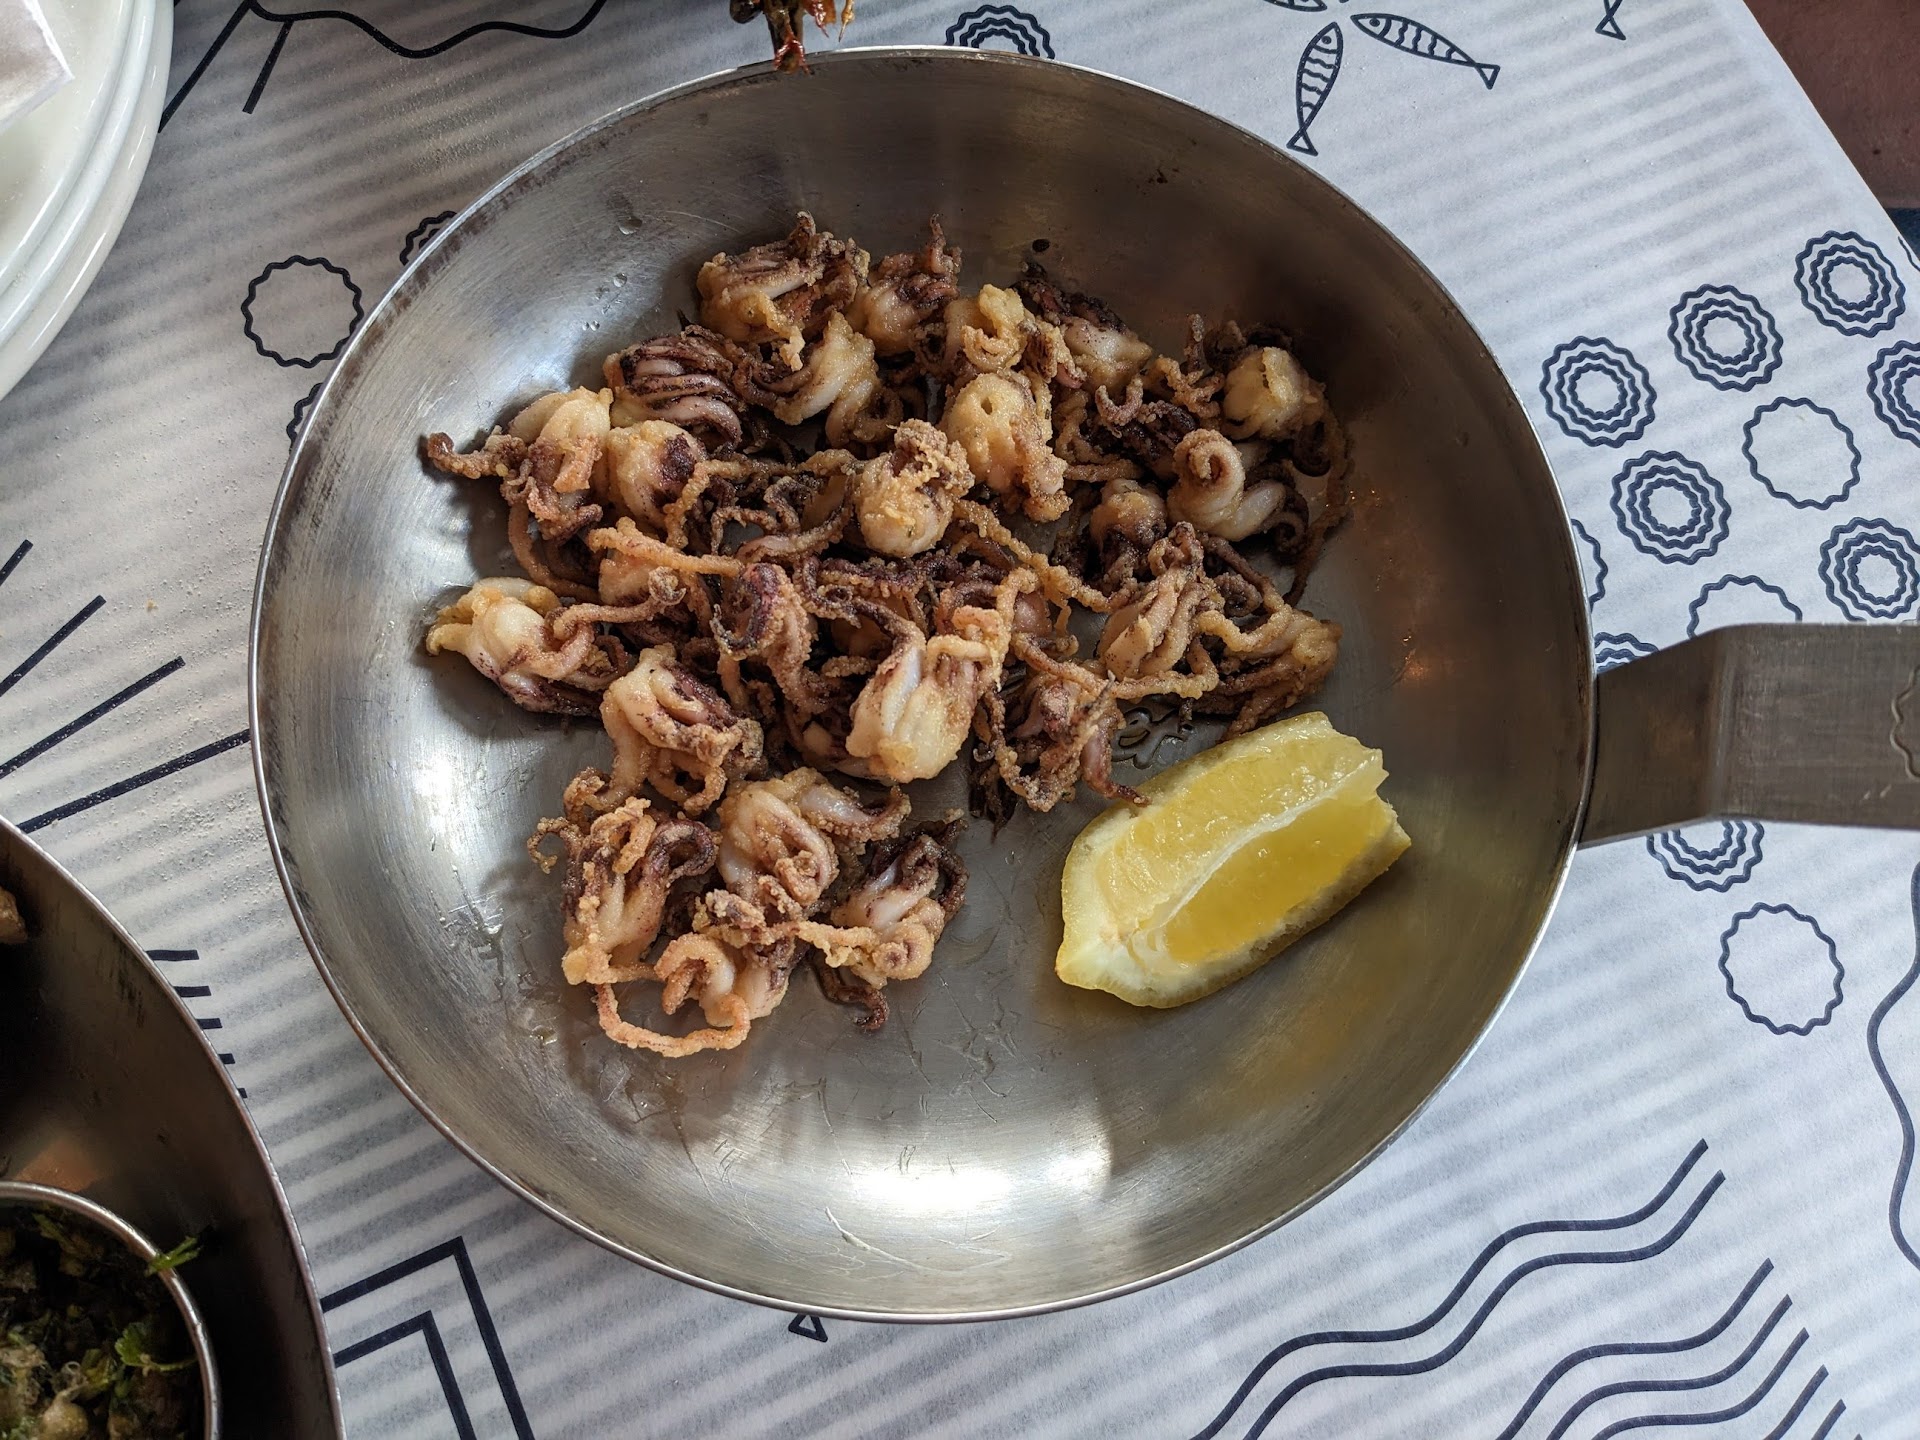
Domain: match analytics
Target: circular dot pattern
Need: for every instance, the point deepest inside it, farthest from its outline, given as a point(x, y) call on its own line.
point(1646, 493)
point(1697, 329)
point(1582, 366)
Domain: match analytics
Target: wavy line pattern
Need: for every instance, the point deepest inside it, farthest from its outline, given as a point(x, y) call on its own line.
point(1793, 1413)
point(1833, 1418)
point(1710, 1417)
point(1668, 1387)
point(288, 19)
point(1479, 1266)
point(1472, 1327)
point(1903, 1171)
point(1656, 1347)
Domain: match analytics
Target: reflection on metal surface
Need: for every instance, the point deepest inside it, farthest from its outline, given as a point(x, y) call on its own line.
point(1096, 1135)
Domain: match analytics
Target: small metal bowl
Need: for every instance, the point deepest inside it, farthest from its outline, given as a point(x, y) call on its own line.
point(23, 1194)
point(107, 1089)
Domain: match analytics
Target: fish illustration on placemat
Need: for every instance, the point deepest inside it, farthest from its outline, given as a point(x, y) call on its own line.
point(1417, 39)
point(1313, 82)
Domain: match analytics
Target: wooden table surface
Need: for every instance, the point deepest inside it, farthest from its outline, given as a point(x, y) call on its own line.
point(1857, 60)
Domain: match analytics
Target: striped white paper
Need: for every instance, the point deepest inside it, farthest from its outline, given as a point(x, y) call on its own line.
point(1705, 1067)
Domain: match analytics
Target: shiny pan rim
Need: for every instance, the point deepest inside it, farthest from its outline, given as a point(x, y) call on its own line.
point(394, 301)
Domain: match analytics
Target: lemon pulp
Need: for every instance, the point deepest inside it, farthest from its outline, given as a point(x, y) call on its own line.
point(1239, 852)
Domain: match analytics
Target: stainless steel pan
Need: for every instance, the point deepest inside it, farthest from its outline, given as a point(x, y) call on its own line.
point(1006, 1144)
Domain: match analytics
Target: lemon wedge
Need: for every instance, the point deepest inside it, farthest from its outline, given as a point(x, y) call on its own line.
point(1239, 852)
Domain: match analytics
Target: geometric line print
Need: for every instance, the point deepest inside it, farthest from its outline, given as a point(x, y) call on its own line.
point(975, 28)
point(1784, 972)
point(1849, 284)
point(1610, 22)
point(207, 1024)
point(1673, 1221)
point(135, 782)
point(1620, 411)
point(1796, 449)
point(428, 1329)
point(1662, 478)
point(1871, 569)
point(1714, 856)
point(47, 646)
point(1893, 384)
point(1903, 1170)
point(1725, 337)
point(809, 1327)
point(287, 22)
point(92, 716)
point(428, 1326)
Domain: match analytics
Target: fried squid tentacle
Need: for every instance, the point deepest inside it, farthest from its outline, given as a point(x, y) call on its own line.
point(516, 634)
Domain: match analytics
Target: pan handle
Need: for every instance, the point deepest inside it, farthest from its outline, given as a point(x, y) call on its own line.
point(1814, 723)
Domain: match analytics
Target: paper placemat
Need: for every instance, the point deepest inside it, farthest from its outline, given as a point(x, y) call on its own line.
point(1673, 1186)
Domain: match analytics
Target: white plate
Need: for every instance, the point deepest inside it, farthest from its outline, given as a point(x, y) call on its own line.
point(69, 170)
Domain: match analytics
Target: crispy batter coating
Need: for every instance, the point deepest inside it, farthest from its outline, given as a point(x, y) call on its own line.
point(853, 526)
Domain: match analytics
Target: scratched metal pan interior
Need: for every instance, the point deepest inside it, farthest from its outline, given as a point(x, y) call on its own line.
point(1005, 1144)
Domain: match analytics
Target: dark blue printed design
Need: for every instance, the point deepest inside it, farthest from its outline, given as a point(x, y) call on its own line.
point(207, 1023)
point(1693, 1382)
point(1416, 39)
point(92, 715)
point(1609, 25)
point(1903, 1169)
point(1716, 856)
point(984, 23)
point(1739, 600)
point(1791, 979)
point(1849, 283)
point(1612, 650)
point(1597, 392)
point(808, 1327)
point(1711, 1417)
point(287, 21)
point(1893, 384)
point(1594, 565)
point(1675, 1228)
point(428, 1325)
point(1309, 5)
point(1670, 508)
point(1725, 337)
point(304, 273)
point(136, 782)
point(1871, 569)
point(1601, 1352)
point(300, 409)
point(418, 237)
point(1313, 81)
point(1800, 451)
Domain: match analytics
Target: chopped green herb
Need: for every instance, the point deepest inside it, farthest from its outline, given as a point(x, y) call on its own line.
point(187, 1249)
point(91, 1345)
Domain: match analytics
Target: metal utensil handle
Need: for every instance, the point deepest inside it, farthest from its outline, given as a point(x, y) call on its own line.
point(1815, 723)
